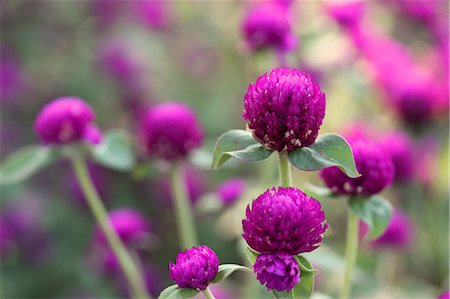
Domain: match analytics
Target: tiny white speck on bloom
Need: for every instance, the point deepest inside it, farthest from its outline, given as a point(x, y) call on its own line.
point(348, 187)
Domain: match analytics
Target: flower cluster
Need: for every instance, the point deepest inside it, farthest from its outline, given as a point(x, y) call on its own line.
point(195, 268)
point(284, 109)
point(281, 223)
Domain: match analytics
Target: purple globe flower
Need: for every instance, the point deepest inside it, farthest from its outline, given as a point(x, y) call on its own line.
point(284, 109)
point(170, 131)
point(277, 271)
point(231, 190)
point(93, 135)
point(195, 268)
point(284, 220)
point(398, 234)
point(398, 146)
point(268, 26)
point(347, 14)
point(129, 224)
point(374, 165)
point(445, 295)
point(63, 120)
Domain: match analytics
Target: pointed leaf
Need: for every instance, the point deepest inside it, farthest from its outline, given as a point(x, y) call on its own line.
point(25, 162)
point(328, 150)
point(375, 211)
point(175, 292)
point(251, 255)
point(239, 144)
point(226, 270)
point(115, 151)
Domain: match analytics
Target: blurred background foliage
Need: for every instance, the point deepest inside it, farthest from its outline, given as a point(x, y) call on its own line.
point(122, 56)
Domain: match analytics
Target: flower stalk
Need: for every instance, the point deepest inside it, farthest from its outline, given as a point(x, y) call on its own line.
point(183, 209)
point(285, 169)
point(208, 294)
point(351, 250)
point(126, 262)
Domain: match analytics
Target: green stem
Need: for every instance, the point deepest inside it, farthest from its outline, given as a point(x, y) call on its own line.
point(285, 169)
point(129, 269)
point(183, 209)
point(351, 250)
point(208, 294)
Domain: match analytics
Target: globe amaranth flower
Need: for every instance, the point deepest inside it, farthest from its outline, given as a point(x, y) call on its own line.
point(399, 147)
point(398, 234)
point(445, 295)
point(130, 225)
point(268, 26)
point(347, 14)
point(284, 220)
point(374, 165)
point(284, 109)
point(195, 268)
point(170, 131)
point(279, 271)
point(64, 120)
point(231, 190)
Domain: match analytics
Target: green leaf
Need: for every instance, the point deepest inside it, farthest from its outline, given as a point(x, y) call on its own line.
point(318, 192)
point(375, 211)
point(226, 270)
point(239, 144)
point(328, 150)
point(25, 162)
point(175, 292)
point(251, 255)
point(303, 289)
point(115, 151)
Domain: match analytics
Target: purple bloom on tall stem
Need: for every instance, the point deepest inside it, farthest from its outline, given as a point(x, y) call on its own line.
point(64, 120)
point(284, 109)
point(284, 219)
point(170, 131)
point(398, 146)
point(195, 268)
point(231, 190)
point(279, 271)
point(374, 165)
point(268, 26)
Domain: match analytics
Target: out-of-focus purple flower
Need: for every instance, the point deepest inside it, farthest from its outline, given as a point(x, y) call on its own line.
point(154, 14)
point(107, 11)
point(194, 182)
point(398, 146)
point(423, 10)
point(170, 131)
point(116, 59)
point(279, 271)
point(347, 14)
point(445, 295)
point(5, 239)
point(267, 25)
point(98, 179)
point(374, 165)
point(195, 268)
point(92, 134)
point(398, 234)
point(231, 190)
point(426, 151)
point(63, 120)
point(284, 109)
point(130, 225)
point(284, 220)
point(11, 77)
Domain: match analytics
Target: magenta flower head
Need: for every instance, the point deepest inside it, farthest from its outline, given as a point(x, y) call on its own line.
point(374, 165)
point(231, 190)
point(284, 109)
point(347, 14)
point(398, 234)
point(268, 26)
point(129, 224)
point(63, 120)
point(398, 145)
point(284, 220)
point(170, 131)
point(445, 295)
point(195, 268)
point(277, 270)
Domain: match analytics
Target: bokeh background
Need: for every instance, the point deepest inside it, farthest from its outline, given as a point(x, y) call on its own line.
point(124, 56)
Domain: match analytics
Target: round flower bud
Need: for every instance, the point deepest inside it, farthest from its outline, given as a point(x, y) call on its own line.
point(284, 220)
point(129, 224)
point(374, 165)
point(284, 109)
point(398, 146)
point(277, 271)
point(268, 26)
point(170, 131)
point(231, 190)
point(195, 268)
point(63, 120)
